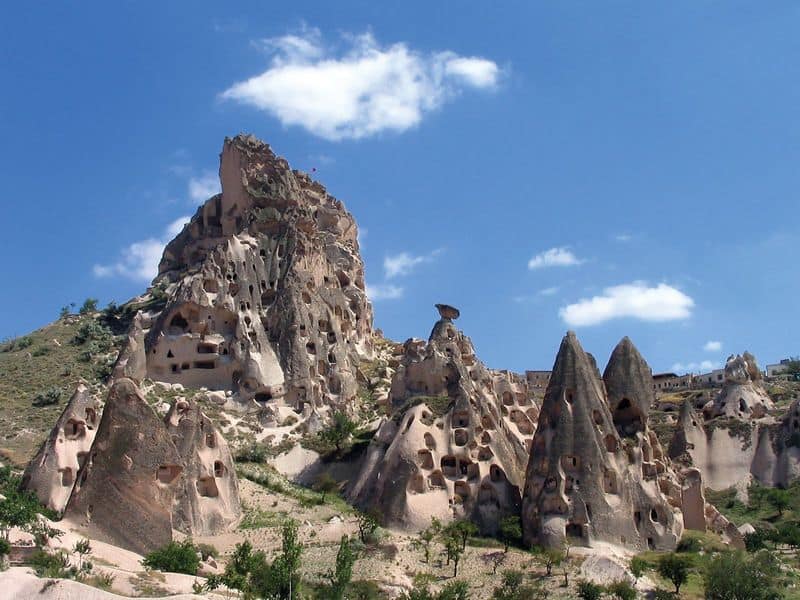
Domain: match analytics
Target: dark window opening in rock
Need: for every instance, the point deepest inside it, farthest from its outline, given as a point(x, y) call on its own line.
point(628, 418)
point(185, 366)
point(344, 280)
point(263, 397)
point(460, 436)
point(322, 367)
point(654, 515)
point(323, 325)
point(461, 419)
point(326, 279)
point(206, 348)
point(624, 405)
point(82, 456)
point(425, 459)
point(170, 354)
point(179, 322)
point(473, 471)
point(589, 511)
point(609, 481)
point(573, 530)
point(67, 478)
point(597, 416)
point(461, 489)
point(436, 480)
point(331, 337)
point(637, 519)
point(210, 286)
point(205, 364)
point(331, 358)
point(569, 462)
point(743, 405)
point(74, 429)
point(207, 487)
point(570, 396)
point(417, 484)
point(174, 368)
point(612, 445)
point(408, 423)
point(311, 348)
point(496, 474)
point(219, 469)
point(306, 298)
point(449, 466)
point(211, 440)
point(485, 453)
point(168, 473)
point(650, 544)
point(508, 398)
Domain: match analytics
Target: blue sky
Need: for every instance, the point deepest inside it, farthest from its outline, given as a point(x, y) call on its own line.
point(624, 169)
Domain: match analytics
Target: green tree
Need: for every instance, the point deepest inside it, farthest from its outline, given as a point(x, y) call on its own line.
point(738, 576)
point(239, 567)
point(325, 484)
point(675, 568)
point(426, 538)
point(462, 529)
point(338, 431)
point(454, 552)
point(549, 558)
point(454, 590)
point(17, 509)
point(367, 525)
point(343, 573)
point(779, 499)
point(89, 306)
point(510, 531)
point(792, 368)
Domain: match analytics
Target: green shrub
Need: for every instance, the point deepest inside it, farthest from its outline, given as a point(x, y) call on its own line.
point(589, 591)
point(689, 544)
point(89, 306)
point(51, 565)
point(175, 557)
point(738, 575)
point(49, 397)
point(207, 550)
point(675, 568)
point(41, 351)
point(5, 547)
point(24, 342)
point(622, 589)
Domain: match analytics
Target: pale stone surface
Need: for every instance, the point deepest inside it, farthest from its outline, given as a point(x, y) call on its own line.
point(52, 473)
point(742, 395)
point(207, 500)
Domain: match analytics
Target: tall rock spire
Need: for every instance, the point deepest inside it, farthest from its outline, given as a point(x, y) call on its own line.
point(584, 483)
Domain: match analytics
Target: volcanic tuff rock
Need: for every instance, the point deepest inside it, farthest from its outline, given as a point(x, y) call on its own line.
point(457, 443)
point(593, 478)
point(742, 395)
point(265, 291)
point(51, 474)
point(125, 490)
point(207, 502)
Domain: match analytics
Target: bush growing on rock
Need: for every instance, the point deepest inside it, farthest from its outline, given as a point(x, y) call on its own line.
point(738, 576)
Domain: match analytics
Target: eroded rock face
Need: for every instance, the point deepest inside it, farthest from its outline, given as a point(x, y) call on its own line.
point(125, 490)
point(266, 290)
point(742, 395)
point(207, 499)
point(457, 442)
point(52, 473)
point(585, 482)
point(787, 465)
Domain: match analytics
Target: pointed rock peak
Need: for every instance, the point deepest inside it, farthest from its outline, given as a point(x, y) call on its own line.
point(688, 417)
point(574, 377)
point(629, 384)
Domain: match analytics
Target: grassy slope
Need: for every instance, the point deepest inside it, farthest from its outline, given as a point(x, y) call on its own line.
point(50, 361)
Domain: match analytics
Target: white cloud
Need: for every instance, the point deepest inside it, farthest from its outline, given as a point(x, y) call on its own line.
point(139, 261)
point(551, 291)
point(404, 263)
point(634, 300)
point(695, 367)
point(712, 346)
point(623, 237)
point(384, 291)
point(203, 187)
point(361, 91)
point(554, 257)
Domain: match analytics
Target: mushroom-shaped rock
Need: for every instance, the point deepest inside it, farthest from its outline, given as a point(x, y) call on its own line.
point(52, 472)
point(628, 379)
point(125, 490)
point(207, 498)
point(583, 483)
point(448, 312)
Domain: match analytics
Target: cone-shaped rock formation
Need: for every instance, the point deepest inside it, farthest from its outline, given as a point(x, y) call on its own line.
point(584, 482)
point(52, 472)
point(742, 395)
point(125, 490)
